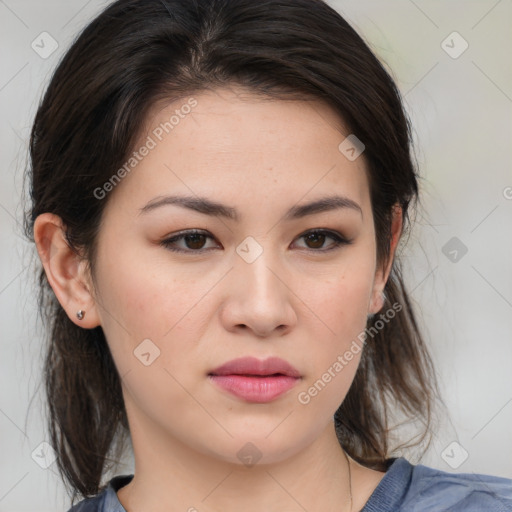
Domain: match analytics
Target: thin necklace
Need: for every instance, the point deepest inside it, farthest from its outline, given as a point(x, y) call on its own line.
point(349, 479)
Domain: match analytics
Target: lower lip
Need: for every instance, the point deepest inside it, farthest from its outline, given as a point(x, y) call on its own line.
point(253, 388)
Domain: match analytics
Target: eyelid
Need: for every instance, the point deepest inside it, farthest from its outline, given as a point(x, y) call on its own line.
point(338, 238)
point(180, 235)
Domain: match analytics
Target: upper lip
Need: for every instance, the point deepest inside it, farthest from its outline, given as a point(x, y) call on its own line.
point(254, 366)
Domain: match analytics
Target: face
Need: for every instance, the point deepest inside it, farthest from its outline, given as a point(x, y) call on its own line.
point(182, 288)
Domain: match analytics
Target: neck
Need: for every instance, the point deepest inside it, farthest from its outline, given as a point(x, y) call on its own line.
point(170, 475)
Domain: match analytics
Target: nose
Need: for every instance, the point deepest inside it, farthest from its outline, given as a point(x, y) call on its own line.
point(259, 298)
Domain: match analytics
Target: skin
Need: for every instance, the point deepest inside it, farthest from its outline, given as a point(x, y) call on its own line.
point(296, 301)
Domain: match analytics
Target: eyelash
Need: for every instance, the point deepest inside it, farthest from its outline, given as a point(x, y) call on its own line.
point(339, 241)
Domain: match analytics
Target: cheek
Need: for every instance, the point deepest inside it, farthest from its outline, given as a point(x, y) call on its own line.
point(141, 301)
point(341, 306)
point(340, 298)
point(340, 302)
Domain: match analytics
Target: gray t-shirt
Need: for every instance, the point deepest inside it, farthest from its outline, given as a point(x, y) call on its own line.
point(404, 488)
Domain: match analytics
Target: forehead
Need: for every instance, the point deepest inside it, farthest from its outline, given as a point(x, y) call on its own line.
point(234, 118)
point(233, 144)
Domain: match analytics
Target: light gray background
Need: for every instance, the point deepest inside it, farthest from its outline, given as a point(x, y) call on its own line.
point(461, 112)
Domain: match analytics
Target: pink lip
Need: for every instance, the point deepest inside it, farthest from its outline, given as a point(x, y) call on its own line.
point(254, 380)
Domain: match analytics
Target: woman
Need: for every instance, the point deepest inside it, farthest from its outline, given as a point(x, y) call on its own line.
point(219, 189)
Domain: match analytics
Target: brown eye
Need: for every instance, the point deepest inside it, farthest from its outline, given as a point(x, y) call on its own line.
point(194, 241)
point(315, 240)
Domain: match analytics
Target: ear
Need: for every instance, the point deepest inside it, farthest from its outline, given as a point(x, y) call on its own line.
point(381, 275)
point(66, 270)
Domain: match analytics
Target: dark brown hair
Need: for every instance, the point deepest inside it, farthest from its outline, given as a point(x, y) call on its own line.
point(139, 52)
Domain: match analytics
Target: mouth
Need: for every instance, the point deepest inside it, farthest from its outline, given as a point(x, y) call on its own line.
point(255, 381)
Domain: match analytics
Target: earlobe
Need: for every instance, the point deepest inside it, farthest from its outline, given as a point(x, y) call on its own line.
point(377, 302)
point(65, 271)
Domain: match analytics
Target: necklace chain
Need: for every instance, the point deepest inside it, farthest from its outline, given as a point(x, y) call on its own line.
point(349, 479)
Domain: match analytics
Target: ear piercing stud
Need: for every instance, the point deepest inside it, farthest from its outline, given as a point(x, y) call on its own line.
point(80, 314)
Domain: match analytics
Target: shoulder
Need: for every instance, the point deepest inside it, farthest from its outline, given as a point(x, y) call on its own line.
point(434, 489)
point(406, 487)
point(94, 504)
point(106, 500)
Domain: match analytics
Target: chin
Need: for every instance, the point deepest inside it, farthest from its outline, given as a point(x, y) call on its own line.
point(259, 446)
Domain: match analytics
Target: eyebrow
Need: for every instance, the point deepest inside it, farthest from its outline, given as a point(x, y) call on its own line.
point(213, 208)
